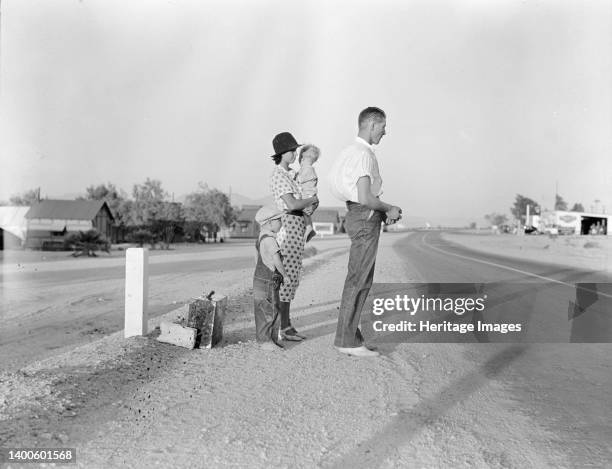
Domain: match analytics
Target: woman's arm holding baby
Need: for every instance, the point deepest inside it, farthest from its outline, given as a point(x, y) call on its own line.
point(299, 204)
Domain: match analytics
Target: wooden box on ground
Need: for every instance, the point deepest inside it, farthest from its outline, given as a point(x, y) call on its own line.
point(176, 334)
point(206, 314)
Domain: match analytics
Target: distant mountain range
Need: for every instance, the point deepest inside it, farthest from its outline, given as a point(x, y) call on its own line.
point(239, 200)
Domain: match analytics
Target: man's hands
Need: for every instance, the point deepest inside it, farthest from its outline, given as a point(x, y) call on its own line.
point(365, 196)
point(393, 215)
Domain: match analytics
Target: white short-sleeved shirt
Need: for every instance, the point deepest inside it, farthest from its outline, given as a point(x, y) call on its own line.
point(355, 161)
point(282, 182)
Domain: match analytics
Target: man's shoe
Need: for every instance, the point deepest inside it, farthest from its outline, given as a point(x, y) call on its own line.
point(358, 351)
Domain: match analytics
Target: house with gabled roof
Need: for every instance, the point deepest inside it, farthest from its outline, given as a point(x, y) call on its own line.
point(49, 222)
point(245, 225)
point(13, 226)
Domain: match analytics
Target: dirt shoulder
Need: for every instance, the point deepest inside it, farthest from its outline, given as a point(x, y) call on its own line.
point(583, 252)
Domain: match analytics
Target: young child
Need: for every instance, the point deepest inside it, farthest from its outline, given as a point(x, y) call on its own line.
point(269, 275)
point(307, 178)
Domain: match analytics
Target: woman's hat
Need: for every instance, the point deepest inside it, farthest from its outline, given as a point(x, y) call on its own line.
point(267, 213)
point(283, 143)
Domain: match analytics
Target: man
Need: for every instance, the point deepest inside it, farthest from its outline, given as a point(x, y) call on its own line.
point(356, 180)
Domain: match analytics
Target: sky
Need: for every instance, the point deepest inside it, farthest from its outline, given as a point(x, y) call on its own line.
point(484, 99)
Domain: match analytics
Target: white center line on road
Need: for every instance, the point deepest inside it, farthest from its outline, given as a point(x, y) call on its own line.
point(502, 266)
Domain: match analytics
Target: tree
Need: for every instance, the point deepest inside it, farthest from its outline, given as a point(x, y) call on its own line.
point(577, 207)
point(169, 222)
point(141, 237)
point(106, 192)
point(148, 202)
point(496, 219)
point(25, 199)
point(208, 207)
point(519, 208)
point(560, 204)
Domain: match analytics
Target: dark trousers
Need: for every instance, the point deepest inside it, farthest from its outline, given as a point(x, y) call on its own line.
point(266, 308)
point(363, 227)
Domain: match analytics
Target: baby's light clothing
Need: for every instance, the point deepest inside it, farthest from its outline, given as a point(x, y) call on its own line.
point(307, 178)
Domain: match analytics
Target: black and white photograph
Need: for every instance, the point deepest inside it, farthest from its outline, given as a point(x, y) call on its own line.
point(306, 234)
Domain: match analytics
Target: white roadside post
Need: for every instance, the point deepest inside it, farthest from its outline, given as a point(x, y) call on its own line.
point(136, 291)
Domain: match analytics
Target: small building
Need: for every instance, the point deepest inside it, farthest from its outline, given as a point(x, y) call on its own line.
point(245, 225)
point(49, 222)
point(13, 227)
point(326, 221)
point(575, 223)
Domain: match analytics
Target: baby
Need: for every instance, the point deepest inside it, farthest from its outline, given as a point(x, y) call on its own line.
point(307, 178)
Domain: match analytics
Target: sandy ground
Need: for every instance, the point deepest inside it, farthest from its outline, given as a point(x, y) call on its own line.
point(140, 403)
point(70, 306)
point(583, 252)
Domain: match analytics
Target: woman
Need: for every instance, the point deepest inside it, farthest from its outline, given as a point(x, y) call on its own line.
point(287, 198)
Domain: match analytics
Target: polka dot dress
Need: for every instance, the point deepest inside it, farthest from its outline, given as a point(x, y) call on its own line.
point(290, 238)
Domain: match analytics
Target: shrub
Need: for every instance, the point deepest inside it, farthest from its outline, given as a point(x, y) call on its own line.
point(87, 243)
point(141, 237)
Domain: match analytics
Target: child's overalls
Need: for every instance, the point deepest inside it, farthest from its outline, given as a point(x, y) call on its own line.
point(266, 284)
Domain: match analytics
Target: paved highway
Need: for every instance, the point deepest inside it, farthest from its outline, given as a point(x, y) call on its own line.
point(557, 395)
